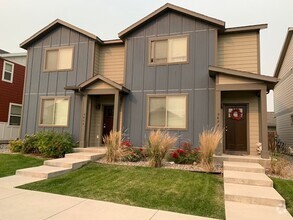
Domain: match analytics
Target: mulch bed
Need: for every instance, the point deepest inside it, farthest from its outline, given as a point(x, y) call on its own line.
point(218, 169)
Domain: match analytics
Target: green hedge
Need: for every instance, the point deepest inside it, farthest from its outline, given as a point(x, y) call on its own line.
point(46, 143)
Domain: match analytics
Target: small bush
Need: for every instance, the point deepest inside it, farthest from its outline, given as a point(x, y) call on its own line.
point(209, 141)
point(53, 144)
point(185, 155)
point(15, 146)
point(46, 143)
point(135, 154)
point(30, 144)
point(115, 150)
point(159, 142)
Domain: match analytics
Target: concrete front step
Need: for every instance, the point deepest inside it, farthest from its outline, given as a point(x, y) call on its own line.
point(243, 167)
point(67, 163)
point(266, 163)
point(90, 149)
point(240, 211)
point(43, 171)
point(85, 156)
point(258, 195)
point(247, 178)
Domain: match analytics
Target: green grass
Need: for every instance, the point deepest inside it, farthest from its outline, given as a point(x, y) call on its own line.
point(172, 190)
point(9, 163)
point(285, 188)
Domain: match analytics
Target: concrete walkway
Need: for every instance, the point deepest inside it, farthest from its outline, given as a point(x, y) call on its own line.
point(249, 193)
point(31, 205)
point(25, 204)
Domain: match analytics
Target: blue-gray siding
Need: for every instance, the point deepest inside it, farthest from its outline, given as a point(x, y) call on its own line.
point(191, 78)
point(39, 83)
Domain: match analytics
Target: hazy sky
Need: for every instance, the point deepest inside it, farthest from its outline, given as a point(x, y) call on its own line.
point(19, 19)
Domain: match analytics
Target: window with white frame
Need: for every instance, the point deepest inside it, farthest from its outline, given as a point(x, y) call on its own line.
point(54, 111)
point(58, 59)
point(167, 111)
point(7, 74)
point(168, 50)
point(14, 114)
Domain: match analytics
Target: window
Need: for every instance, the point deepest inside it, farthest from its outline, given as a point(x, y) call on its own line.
point(58, 59)
point(292, 119)
point(167, 111)
point(7, 74)
point(170, 50)
point(14, 114)
point(54, 111)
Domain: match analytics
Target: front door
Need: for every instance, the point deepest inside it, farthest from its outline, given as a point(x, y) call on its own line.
point(235, 129)
point(108, 119)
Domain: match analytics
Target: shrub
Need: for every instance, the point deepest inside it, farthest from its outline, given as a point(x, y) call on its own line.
point(53, 144)
point(159, 142)
point(30, 145)
point(209, 141)
point(135, 154)
point(185, 155)
point(115, 150)
point(15, 146)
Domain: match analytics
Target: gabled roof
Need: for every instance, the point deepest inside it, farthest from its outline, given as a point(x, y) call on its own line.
point(247, 28)
point(270, 81)
point(93, 80)
point(283, 51)
point(171, 7)
point(52, 26)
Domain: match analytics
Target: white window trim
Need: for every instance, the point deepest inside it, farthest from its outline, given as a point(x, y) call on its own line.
point(9, 114)
point(3, 71)
point(167, 38)
point(165, 96)
point(57, 70)
point(40, 111)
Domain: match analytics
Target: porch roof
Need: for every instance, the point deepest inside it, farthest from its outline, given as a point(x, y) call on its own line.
point(95, 79)
point(268, 80)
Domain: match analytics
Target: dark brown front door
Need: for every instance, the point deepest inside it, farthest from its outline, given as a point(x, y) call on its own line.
point(108, 119)
point(235, 128)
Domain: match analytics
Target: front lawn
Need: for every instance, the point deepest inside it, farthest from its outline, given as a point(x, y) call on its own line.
point(9, 163)
point(285, 188)
point(172, 190)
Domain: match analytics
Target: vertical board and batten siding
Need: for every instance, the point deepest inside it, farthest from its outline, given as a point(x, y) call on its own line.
point(190, 78)
point(39, 83)
point(239, 51)
point(253, 114)
point(109, 62)
point(287, 64)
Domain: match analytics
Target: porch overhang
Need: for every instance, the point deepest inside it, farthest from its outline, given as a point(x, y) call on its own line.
point(268, 80)
point(236, 81)
point(86, 84)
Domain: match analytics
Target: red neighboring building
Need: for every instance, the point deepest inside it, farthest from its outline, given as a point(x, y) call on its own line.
point(11, 94)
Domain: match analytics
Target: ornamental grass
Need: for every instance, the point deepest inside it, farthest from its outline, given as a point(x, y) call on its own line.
point(115, 149)
point(209, 141)
point(159, 142)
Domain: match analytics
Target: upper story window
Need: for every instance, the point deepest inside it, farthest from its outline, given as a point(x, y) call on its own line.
point(168, 50)
point(167, 111)
point(7, 74)
point(14, 114)
point(58, 59)
point(54, 111)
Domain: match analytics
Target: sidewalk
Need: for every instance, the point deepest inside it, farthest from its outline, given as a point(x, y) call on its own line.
point(24, 204)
